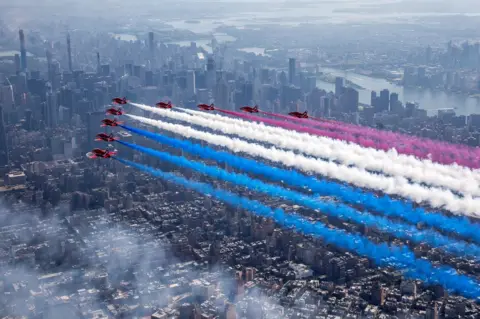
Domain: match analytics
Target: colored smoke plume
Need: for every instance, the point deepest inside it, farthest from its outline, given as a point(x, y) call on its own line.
point(383, 255)
point(335, 150)
point(396, 228)
point(386, 205)
point(435, 197)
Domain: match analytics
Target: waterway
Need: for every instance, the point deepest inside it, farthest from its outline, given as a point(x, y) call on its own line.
point(205, 43)
point(256, 51)
point(350, 11)
point(11, 53)
point(124, 36)
point(429, 100)
point(292, 13)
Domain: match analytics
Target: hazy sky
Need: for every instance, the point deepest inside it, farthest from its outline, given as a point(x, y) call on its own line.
point(18, 12)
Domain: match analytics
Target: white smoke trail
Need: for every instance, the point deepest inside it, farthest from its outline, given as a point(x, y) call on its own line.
point(453, 170)
point(334, 150)
point(390, 185)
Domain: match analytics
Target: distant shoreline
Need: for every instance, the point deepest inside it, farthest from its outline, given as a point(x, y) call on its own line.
point(330, 78)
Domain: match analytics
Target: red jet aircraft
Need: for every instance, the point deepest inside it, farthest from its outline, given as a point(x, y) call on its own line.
point(250, 109)
point(118, 100)
point(97, 152)
point(105, 137)
point(303, 115)
point(109, 122)
point(114, 111)
point(164, 105)
point(207, 107)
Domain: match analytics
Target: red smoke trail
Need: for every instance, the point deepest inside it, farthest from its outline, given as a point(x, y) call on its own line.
point(402, 147)
point(436, 148)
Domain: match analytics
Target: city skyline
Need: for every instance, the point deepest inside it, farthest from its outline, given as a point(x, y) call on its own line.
point(334, 197)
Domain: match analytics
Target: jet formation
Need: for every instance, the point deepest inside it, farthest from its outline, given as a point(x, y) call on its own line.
point(114, 111)
point(164, 105)
point(98, 152)
point(250, 109)
point(109, 122)
point(300, 115)
point(105, 137)
point(121, 101)
point(206, 107)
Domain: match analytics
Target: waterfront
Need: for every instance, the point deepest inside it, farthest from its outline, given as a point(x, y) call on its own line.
point(270, 12)
point(429, 100)
point(256, 51)
point(11, 53)
point(204, 43)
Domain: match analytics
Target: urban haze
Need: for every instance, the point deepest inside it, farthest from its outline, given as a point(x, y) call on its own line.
point(142, 234)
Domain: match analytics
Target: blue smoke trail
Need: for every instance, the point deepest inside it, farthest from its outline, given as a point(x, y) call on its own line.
point(459, 225)
point(397, 256)
point(398, 229)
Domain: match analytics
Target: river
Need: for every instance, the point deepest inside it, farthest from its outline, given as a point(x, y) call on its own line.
point(205, 43)
point(320, 12)
point(11, 53)
point(427, 99)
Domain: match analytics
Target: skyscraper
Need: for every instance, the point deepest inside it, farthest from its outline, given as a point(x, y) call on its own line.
point(150, 40)
point(373, 97)
point(383, 102)
point(410, 108)
point(49, 66)
point(289, 95)
point(339, 86)
point(50, 114)
point(69, 51)
point(350, 100)
point(3, 141)
point(282, 78)
point(18, 64)
point(247, 93)
point(428, 55)
point(99, 67)
point(264, 76)
point(191, 89)
point(221, 94)
point(291, 71)
point(393, 100)
point(23, 52)
point(325, 105)
point(151, 46)
point(211, 74)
